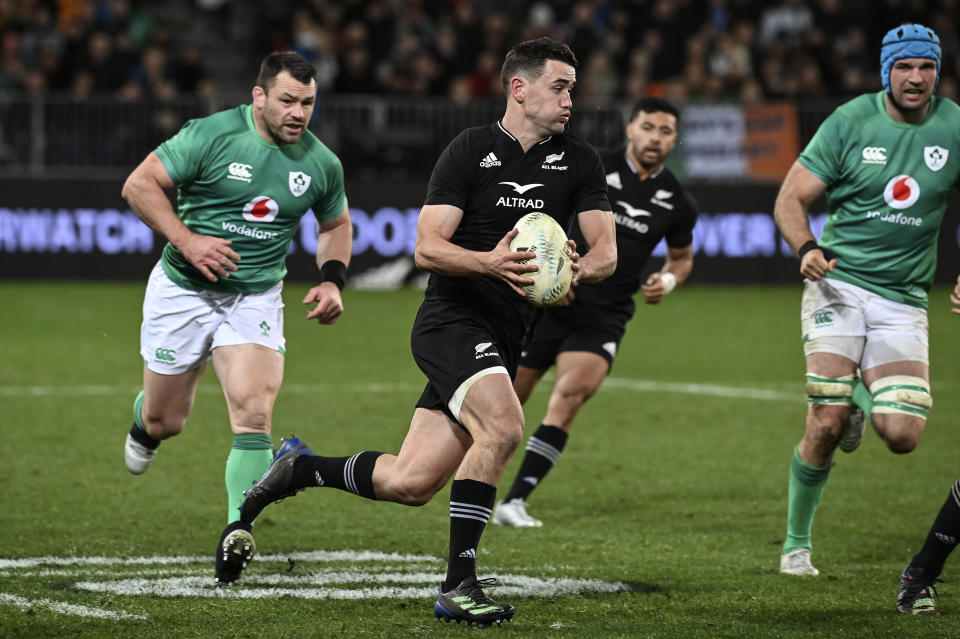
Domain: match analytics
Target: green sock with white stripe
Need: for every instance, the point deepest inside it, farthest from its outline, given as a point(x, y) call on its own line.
point(806, 488)
point(249, 458)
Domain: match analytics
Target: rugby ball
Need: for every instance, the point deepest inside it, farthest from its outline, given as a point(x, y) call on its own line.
point(540, 234)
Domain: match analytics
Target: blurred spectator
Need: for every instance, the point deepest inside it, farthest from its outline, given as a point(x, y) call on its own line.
point(701, 50)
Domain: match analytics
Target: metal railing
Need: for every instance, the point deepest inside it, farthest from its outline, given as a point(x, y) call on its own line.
point(376, 137)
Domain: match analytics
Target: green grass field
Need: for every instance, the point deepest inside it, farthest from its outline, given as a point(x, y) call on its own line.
point(663, 518)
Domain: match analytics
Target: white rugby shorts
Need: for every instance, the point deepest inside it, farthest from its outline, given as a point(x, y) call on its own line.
point(844, 319)
point(181, 327)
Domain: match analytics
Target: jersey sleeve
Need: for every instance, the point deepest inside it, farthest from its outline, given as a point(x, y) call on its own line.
point(182, 155)
point(680, 234)
point(330, 205)
point(592, 192)
point(822, 155)
point(451, 177)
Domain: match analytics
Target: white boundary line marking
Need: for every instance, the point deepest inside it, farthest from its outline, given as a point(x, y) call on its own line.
point(612, 383)
point(64, 608)
point(369, 575)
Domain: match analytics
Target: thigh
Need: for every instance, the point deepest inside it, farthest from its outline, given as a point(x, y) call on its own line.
point(456, 351)
point(580, 372)
point(832, 319)
point(178, 325)
point(895, 333)
point(526, 380)
point(255, 318)
point(168, 399)
point(250, 376)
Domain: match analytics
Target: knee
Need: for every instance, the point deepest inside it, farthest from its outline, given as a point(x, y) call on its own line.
point(163, 425)
point(251, 416)
point(902, 438)
point(825, 425)
point(575, 396)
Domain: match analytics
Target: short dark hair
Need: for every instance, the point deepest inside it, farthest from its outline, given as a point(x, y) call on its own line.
point(530, 57)
point(291, 62)
point(654, 105)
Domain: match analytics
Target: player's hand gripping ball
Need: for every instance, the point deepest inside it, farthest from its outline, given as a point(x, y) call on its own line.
point(541, 234)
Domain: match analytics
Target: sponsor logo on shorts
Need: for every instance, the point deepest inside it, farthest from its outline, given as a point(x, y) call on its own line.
point(265, 327)
point(823, 318)
point(610, 347)
point(167, 355)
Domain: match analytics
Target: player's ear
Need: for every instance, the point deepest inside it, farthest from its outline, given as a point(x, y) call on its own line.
point(517, 88)
point(259, 97)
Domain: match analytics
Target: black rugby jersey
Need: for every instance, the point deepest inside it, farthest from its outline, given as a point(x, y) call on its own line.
point(485, 173)
point(644, 212)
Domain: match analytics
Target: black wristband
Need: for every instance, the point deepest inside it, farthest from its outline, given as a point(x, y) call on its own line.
point(806, 248)
point(334, 271)
point(812, 245)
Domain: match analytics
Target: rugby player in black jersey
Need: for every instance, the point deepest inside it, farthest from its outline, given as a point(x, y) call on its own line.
point(582, 338)
point(468, 333)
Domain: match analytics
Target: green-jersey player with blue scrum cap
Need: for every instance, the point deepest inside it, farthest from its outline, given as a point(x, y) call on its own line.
point(887, 163)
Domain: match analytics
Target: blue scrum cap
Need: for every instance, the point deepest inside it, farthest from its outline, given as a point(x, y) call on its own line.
point(908, 41)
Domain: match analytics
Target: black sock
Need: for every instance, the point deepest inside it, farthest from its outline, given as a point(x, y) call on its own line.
point(352, 474)
point(140, 436)
point(943, 536)
point(471, 503)
point(543, 450)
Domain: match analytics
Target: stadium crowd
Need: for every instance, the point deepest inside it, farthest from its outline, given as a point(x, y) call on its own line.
point(685, 50)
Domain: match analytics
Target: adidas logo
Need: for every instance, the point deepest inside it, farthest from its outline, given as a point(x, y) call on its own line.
point(489, 161)
point(318, 478)
point(947, 539)
point(470, 553)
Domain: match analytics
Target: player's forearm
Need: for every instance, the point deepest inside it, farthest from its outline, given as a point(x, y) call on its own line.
point(680, 268)
point(791, 219)
point(335, 240)
point(599, 263)
point(445, 258)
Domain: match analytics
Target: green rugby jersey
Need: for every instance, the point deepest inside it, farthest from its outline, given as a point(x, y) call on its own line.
point(888, 184)
point(233, 184)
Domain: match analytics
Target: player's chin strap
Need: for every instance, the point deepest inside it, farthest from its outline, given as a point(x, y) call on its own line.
point(902, 394)
point(829, 390)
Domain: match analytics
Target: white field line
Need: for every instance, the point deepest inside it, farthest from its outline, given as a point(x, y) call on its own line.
point(372, 585)
point(64, 608)
point(611, 383)
point(313, 555)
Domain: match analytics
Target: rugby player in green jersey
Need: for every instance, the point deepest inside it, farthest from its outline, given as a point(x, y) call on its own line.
point(887, 162)
point(244, 178)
